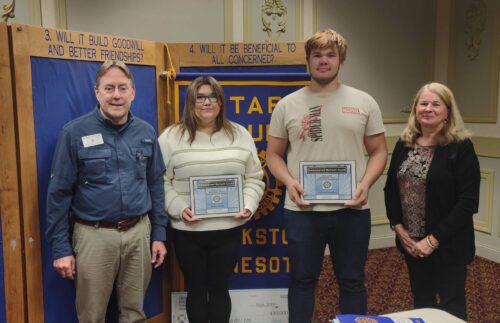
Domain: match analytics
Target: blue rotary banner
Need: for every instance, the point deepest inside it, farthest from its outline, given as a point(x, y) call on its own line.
point(251, 95)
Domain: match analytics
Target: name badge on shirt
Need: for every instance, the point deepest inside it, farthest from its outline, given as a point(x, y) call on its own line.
point(92, 140)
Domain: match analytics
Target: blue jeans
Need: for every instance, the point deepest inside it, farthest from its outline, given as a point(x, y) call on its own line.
point(347, 233)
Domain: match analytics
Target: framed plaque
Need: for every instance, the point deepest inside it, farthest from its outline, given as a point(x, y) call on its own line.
point(328, 181)
point(215, 196)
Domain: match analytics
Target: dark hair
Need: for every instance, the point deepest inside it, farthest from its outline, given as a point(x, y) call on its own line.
point(189, 120)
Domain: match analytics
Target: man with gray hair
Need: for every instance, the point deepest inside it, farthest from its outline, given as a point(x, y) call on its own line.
point(107, 172)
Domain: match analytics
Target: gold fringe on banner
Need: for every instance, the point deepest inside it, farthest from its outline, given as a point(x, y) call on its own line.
point(170, 74)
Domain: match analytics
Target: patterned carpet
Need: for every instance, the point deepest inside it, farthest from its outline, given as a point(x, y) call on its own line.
point(389, 289)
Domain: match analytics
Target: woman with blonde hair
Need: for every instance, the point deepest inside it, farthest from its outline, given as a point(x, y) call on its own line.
point(431, 194)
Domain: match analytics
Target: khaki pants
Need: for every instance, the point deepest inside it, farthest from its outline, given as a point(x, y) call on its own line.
point(105, 257)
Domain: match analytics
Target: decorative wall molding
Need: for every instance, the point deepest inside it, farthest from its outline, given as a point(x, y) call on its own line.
point(475, 24)
point(484, 219)
point(228, 21)
point(487, 251)
point(487, 146)
point(377, 196)
point(316, 18)
point(60, 14)
point(474, 58)
point(274, 16)
point(382, 241)
point(299, 20)
point(379, 219)
point(35, 12)
point(269, 20)
point(9, 11)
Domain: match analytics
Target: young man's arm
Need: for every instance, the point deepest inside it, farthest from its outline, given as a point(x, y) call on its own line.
point(276, 148)
point(376, 148)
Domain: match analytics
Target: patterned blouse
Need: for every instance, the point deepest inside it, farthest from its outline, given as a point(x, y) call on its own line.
point(412, 185)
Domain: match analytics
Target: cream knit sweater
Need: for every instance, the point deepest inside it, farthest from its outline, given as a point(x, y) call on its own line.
point(209, 155)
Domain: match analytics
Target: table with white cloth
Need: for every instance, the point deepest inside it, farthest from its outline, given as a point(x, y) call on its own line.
point(429, 315)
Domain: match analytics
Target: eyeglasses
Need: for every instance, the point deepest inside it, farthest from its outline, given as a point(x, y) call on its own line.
point(200, 98)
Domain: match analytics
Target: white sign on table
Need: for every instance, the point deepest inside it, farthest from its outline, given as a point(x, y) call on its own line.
point(248, 306)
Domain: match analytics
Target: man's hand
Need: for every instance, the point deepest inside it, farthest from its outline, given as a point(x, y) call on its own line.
point(65, 267)
point(294, 191)
point(158, 253)
point(360, 198)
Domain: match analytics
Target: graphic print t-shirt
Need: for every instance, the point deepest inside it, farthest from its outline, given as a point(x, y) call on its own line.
point(325, 127)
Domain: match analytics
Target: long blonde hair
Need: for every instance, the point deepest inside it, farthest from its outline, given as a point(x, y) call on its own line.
point(454, 128)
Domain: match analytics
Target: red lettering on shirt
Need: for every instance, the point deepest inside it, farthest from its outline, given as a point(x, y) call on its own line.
point(350, 110)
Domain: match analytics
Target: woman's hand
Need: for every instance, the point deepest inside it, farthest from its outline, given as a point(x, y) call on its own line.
point(406, 240)
point(423, 248)
point(188, 216)
point(244, 215)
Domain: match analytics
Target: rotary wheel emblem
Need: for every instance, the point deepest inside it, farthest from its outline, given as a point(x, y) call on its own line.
point(272, 193)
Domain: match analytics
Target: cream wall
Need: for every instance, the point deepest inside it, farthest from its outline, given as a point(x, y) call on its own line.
point(487, 221)
point(159, 20)
point(387, 56)
point(394, 47)
point(380, 27)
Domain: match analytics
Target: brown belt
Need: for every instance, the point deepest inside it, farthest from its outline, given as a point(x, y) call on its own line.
point(123, 225)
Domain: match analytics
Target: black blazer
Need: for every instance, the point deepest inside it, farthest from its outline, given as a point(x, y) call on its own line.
point(451, 199)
